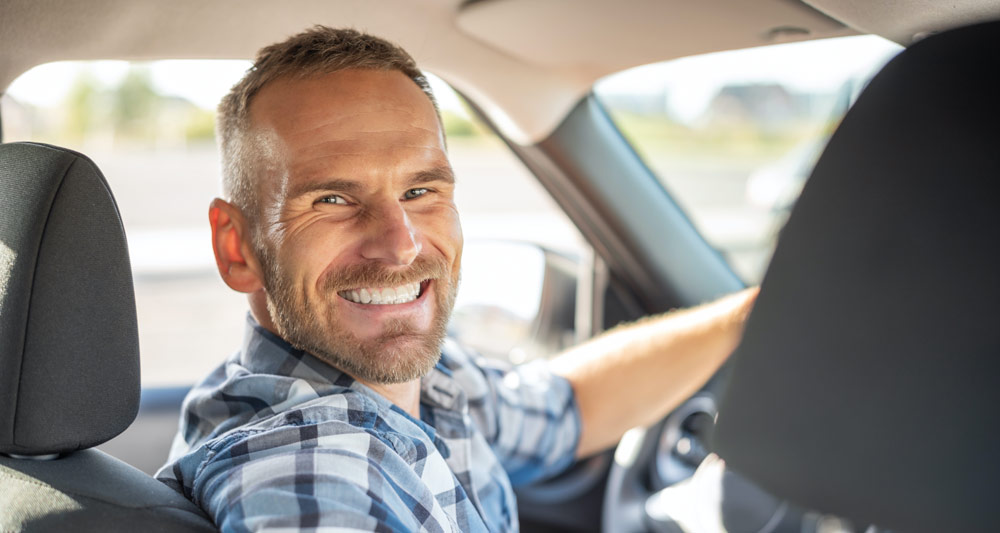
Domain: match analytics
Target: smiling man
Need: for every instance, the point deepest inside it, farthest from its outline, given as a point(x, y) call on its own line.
point(357, 238)
point(346, 407)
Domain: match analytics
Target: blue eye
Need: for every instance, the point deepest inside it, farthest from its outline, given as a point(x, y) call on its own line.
point(335, 199)
point(414, 193)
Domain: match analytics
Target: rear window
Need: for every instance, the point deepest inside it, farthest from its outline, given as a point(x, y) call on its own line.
point(149, 127)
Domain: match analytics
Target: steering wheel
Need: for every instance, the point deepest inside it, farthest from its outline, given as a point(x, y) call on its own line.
point(651, 459)
point(663, 479)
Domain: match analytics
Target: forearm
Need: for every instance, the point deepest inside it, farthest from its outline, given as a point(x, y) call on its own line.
point(635, 374)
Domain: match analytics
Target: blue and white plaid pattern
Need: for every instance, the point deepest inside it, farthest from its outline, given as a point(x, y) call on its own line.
point(276, 439)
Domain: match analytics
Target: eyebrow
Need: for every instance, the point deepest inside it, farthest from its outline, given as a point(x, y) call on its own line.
point(350, 186)
point(439, 173)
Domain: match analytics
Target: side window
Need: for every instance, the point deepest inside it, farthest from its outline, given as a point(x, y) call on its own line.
point(733, 136)
point(519, 263)
point(149, 127)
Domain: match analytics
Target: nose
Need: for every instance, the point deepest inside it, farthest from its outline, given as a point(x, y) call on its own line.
point(391, 238)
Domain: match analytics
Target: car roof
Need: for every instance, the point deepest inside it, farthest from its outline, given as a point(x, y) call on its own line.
point(524, 62)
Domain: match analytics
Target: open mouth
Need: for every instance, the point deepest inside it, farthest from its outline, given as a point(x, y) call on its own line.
point(386, 295)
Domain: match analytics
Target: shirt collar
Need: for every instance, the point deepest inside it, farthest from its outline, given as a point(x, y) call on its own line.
point(264, 352)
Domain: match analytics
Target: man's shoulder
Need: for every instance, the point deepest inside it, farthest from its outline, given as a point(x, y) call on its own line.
point(266, 402)
point(336, 421)
point(234, 403)
point(343, 408)
point(342, 420)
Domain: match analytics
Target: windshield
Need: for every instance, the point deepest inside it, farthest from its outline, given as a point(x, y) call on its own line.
point(733, 136)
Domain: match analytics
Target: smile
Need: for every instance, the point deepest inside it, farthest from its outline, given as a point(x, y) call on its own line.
point(384, 296)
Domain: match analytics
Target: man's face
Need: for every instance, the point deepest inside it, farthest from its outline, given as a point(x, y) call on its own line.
point(360, 235)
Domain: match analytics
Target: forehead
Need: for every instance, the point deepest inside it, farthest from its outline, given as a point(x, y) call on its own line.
point(351, 123)
point(343, 103)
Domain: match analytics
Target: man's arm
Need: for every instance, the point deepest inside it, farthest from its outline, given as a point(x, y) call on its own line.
point(635, 374)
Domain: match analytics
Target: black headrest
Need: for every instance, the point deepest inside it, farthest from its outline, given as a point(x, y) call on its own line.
point(69, 350)
point(868, 381)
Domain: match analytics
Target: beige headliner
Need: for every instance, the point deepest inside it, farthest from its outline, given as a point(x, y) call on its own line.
point(526, 62)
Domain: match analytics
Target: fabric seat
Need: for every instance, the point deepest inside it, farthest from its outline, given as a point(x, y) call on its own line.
point(868, 379)
point(69, 357)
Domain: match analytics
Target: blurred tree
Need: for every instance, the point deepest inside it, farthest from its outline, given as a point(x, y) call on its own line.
point(200, 125)
point(81, 106)
point(456, 125)
point(134, 104)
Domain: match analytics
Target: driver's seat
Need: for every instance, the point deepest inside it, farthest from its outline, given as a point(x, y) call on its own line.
point(867, 384)
point(69, 357)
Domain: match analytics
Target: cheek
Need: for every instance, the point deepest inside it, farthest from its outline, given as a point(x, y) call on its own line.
point(306, 259)
point(456, 235)
point(460, 240)
point(444, 230)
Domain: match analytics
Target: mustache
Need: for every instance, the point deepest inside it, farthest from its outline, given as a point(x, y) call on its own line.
point(374, 274)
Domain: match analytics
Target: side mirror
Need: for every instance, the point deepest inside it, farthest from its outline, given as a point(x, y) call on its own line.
point(516, 302)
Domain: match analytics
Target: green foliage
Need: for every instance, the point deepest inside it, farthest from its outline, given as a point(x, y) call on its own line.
point(134, 103)
point(456, 125)
point(81, 104)
point(659, 136)
point(200, 126)
point(130, 111)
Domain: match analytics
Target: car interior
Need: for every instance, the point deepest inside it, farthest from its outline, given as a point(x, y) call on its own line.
point(861, 398)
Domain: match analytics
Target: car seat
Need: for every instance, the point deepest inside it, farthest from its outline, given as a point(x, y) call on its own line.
point(69, 354)
point(867, 384)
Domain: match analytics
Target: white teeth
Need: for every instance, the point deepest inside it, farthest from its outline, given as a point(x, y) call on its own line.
point(383, 296)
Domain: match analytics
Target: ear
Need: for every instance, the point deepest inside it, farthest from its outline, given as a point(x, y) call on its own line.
point(234, 256)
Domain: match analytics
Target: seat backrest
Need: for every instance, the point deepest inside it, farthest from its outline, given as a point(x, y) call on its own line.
point(868, 381)
point(69, 354)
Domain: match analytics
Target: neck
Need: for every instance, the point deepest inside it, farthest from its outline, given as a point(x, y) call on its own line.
point(406, 395)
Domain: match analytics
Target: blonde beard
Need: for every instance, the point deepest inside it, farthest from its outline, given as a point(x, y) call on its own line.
point(399, 354)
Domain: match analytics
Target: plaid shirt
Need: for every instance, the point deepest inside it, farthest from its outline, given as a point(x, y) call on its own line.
point(276, 439)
